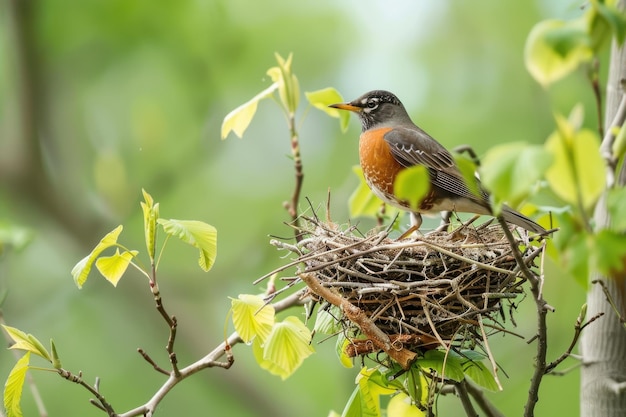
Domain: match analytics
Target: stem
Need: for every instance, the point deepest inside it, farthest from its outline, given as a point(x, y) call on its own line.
point(292, 206)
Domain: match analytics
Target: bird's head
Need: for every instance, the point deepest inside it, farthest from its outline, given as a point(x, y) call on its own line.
point(376, 109)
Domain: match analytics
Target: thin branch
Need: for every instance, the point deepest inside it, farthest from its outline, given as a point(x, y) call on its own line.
point(461, 391)
point(578, 328)
point(212, 359)
point(292, 206)
point(542, 308)
point(609, 299)
point(482, 401)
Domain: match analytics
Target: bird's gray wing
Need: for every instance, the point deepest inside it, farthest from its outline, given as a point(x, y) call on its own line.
point(413, 146)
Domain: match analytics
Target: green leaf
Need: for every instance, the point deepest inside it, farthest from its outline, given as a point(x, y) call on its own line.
point(340, 349)
point(411, 185)
point(449, 367)
point(150, 216)
point(363, 202)
point(616, 205)
point(401, 405)
point(196, 233)
point(555, 48)
point(252, 317)
point(326, 321)
point(614, 18)
point(482, 376)
point(56, 360)
point(113, 267)
point(13, 387)
point(27, 342)
point(288, 86)
point(323, 98)
point(510, 171)
point(239, 119)
point(354, 406)
point(83, 267)
point(468, 171)
point(287, 346)
point(370, 391)
point(609, 252)
point(577, 172)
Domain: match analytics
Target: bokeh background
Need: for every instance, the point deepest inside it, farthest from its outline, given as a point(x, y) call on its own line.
point(100, 98)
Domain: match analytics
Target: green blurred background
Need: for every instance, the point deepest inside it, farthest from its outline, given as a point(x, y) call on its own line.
point(128, 94)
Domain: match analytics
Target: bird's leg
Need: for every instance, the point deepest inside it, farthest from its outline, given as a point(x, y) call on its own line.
point(416, 222)
point(445, 221)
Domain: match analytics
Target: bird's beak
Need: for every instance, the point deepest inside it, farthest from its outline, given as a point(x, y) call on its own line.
point(346, 106)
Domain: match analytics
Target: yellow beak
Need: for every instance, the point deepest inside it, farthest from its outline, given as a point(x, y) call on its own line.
point(346, 106)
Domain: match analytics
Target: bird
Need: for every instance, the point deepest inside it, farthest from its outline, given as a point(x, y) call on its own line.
point(390, 142)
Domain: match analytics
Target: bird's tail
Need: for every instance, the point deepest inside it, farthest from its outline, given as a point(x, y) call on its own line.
point(518, 219)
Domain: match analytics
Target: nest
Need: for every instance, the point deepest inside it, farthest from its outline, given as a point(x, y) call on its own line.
point(440, 289)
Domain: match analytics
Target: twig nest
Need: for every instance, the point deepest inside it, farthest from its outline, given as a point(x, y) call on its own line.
point(434, 289)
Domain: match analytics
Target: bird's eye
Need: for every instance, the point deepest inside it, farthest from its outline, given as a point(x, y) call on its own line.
point(372, 103)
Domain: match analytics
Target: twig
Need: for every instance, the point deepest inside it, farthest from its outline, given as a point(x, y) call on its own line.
point(482, 401)
point(597, 93)
point(494, 365)
point(101, 403)
point(151, 361)
point(542, 327)
point(292, 206)
point(609, 299)
point(578, 328)
point(461, 390)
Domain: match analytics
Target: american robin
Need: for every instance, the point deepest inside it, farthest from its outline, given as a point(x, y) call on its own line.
point(391, 142)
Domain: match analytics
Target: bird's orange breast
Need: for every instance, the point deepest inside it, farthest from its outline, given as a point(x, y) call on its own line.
point(379, 166)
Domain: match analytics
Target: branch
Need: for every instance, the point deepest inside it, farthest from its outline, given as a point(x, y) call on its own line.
point(292, 206)
point(402, 356)
point(212, 359)
point(481, 400)
point(461, 391)
point(578, 328)
point(542, 328)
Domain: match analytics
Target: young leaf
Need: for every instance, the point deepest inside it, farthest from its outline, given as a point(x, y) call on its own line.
point(412, 185)
point(370, 391)
point(27, 342)
point(13, 387)
point(340, 349)
point(83, 267)
point(288, 86)
point(321, 99)
point(198, 234)
point(401, 405)
point(326, 321)
point(511, 170)
point(354, 406)
point(150, 216)
point(252, 317)
point(555, 48)
point(287, 346)
point(113, 267)
point(56, 360)
point(239, 119)
point(577, 172)
point(479, 373)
